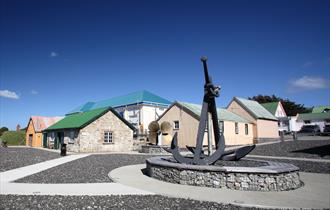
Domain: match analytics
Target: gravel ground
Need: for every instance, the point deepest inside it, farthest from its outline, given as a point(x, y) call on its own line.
point(16, 157)
point(91, 169)
point(108, 202)
point(319, 149)
point(304, 166)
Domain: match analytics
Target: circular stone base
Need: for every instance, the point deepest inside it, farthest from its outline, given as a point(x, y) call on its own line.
point(267, 176)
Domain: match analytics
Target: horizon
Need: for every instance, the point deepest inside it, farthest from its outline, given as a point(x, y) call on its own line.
point(57, 55)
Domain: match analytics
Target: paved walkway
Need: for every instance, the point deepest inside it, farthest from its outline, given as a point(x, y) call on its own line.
point(8, 187)
point(130, 180)
point(315, 193)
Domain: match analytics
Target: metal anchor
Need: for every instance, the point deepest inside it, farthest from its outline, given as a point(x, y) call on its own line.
point(209, 106)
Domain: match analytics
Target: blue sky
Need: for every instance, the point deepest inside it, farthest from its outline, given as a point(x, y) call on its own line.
point(56, 55)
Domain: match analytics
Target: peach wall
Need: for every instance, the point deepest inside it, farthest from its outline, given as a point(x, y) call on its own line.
point(267, 129)
point(231, 138)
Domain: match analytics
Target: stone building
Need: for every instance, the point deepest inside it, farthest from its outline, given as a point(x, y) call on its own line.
point(34, 136)
point(185, 119)
point(265, 124)
point(98, 130)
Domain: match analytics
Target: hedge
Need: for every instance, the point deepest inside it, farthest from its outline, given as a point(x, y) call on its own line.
point(14, 137)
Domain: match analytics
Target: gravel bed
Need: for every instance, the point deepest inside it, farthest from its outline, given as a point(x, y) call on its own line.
point(304, 166)
point(319, 149)
point(241, 163)
point(91, 169)
point(108, 202)
point(16, 157)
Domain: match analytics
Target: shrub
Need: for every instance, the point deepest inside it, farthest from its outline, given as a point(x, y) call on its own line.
point(14, 137)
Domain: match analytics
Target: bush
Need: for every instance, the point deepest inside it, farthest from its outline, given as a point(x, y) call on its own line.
point(14, 137)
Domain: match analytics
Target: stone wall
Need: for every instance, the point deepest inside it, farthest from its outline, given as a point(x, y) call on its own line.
point(254, 179)
point(91, 137)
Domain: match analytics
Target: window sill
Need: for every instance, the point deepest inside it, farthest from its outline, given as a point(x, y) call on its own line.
point(105, 143)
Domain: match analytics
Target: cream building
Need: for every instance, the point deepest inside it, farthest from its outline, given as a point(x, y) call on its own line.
point(185, 119)
point(265, 124)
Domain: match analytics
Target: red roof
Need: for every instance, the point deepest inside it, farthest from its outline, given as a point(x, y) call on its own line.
point(40, 123)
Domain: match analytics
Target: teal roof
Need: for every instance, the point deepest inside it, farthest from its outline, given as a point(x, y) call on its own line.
point(320, 109)
point(255, 109)
point(223, 114)
point(313, 116)
point(132, 98)
point(271, 107)
point(80, 120)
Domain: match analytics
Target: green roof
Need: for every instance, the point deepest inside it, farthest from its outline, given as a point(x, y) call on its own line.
point(313, 116)
point(255, 109)
point(271, 107)
point(223, 114)
point(320, 109)
point(80, 120)
point(124, 100)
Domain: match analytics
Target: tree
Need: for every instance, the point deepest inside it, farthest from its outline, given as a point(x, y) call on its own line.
point(291, 108)
point(3, 129)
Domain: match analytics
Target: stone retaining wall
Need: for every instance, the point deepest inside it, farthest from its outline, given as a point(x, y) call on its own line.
point(228, 177)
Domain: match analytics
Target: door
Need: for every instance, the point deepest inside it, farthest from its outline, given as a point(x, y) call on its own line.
point(30, 140)
point(44, 142)
point(59, 140)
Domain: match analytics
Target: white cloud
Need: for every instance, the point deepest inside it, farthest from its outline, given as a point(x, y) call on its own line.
point(8, 94)
point(34, 92)
point(54, 54)
point(309, 83)
point(307, 64)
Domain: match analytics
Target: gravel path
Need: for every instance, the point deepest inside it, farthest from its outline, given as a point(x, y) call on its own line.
point(107, 202)
point(91, 169)
point(15, 157)
point(319, 149)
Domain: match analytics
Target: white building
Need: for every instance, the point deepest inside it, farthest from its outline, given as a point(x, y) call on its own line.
point(138, 108)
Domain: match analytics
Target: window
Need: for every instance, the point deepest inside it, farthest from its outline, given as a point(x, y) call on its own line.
point(236, 127)
point(246, 129)
point(108, 137)
point(176, 124)
point(221, 127)
point(71, 137)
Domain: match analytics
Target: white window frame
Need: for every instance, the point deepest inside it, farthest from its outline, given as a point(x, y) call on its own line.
point(108, 137)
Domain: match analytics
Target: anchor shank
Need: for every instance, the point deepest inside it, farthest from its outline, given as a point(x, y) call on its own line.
point(201, 132)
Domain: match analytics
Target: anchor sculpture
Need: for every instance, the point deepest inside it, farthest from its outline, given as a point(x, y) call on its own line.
point(209, 106)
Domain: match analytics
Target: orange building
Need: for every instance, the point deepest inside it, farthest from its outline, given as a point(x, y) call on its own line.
point(34, 136)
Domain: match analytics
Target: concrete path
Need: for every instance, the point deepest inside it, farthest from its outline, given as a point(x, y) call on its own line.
point(8, 187)
point(11, 175)
point(315, 193)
